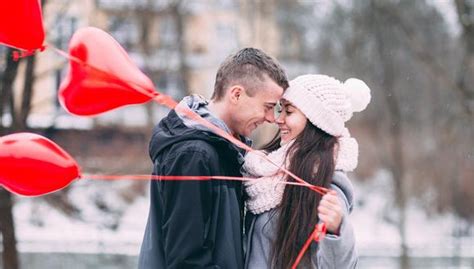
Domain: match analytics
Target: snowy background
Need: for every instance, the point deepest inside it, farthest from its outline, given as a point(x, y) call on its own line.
point(108, 231)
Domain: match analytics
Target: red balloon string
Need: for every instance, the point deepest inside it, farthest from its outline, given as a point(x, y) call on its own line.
point(167, 178)
point(191, 178)
point(317, 235)
point(317, 189)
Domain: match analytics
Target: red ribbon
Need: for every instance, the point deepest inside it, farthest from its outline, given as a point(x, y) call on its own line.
point(317, 235)
point(320, 190)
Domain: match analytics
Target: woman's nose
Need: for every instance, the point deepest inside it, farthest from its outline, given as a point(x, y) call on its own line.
point(280, 119)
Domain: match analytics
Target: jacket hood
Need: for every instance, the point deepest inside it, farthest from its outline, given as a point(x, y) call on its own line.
point(175, 128)
point(341, 181)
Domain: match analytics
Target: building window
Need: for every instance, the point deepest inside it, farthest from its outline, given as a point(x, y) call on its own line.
point(63, 30)
point(119, 4)
point(124, 30)
point(227, 36)
point(168, 32)
point(61, 34)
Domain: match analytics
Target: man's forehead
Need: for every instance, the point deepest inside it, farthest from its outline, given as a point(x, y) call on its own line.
point(271, 98)
point(272, 93)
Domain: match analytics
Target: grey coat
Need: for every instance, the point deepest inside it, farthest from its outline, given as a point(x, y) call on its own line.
point(336, 252)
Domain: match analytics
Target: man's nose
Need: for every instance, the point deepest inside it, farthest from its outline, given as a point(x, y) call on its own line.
point(270, 117)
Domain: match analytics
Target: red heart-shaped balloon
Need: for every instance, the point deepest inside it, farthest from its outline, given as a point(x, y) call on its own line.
point(101, 76)
point(21, 24)
point(34, 165)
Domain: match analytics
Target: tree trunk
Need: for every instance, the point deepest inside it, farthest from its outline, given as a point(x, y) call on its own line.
point(7, 228)
point(180, 19)
point(10, 253)
point(6, 94)
point(465, 14)
point(27, 92)
point(397, 163)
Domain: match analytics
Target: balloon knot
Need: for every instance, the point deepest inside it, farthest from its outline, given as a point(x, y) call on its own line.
point(17, 55)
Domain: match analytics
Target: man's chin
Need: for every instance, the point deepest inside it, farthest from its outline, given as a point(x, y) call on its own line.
point(251, 130)
point(246, 133)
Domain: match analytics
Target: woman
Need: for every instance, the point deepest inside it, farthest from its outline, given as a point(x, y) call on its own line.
point(314, 144)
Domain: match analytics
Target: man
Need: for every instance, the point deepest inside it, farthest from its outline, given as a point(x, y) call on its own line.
point(198, 224)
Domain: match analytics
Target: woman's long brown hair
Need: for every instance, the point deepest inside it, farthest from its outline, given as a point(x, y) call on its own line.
point(311, 157)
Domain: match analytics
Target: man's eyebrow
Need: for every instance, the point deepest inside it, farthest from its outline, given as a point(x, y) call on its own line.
point(270, 103)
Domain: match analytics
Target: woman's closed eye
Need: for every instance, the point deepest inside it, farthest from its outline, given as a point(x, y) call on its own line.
point(289, 109)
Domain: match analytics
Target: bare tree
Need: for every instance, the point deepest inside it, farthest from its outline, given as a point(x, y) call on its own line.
point(7, 227)
point(396, 165)
point(29, 81)
point(465, 11)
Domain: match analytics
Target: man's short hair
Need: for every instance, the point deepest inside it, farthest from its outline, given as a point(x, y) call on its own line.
point(248, 68)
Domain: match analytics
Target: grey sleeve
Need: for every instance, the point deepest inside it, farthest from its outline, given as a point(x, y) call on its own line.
point(338, 252)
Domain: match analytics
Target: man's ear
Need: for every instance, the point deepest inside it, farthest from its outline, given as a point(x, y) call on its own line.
point(236, 92)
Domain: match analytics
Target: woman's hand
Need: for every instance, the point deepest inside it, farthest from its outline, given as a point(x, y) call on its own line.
point(330, 212)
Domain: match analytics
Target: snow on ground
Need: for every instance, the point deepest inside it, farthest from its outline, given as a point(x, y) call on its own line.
point(41, 228)
point(374, 219)
point(119, 229)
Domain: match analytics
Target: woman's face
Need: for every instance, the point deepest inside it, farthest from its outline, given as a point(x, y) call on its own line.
point(291, 121)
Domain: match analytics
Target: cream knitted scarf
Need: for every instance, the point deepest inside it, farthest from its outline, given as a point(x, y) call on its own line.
point(266, 191)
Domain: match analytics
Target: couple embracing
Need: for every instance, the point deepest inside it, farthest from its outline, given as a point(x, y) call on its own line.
point(200, 224)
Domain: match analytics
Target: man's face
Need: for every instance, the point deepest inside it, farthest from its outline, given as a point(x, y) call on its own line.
point(251, 111)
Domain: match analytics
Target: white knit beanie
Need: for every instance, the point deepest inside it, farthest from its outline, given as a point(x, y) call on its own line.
point(328, 104)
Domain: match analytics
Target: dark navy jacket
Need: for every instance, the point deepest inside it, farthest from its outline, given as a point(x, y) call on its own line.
point(193, 224)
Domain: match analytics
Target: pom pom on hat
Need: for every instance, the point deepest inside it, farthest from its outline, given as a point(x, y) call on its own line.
point(358, 93)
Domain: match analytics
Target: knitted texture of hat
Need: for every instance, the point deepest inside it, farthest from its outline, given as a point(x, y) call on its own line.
point(327, 102)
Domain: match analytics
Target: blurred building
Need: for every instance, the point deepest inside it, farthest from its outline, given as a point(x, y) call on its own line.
point(178, 44)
